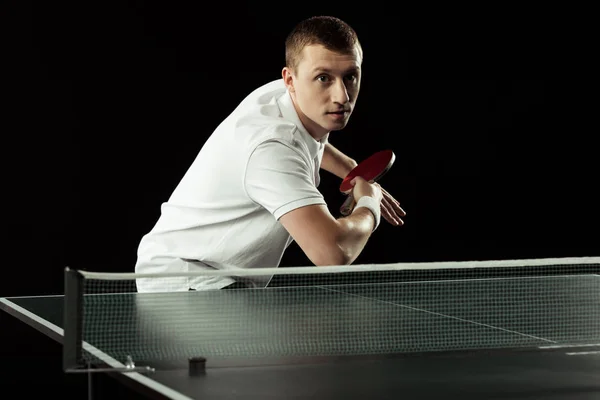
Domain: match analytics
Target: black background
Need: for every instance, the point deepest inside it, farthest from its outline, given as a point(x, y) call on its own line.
point(490, 110)
point(109, 102)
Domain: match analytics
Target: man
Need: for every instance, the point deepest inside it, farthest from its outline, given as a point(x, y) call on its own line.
point(252, 189)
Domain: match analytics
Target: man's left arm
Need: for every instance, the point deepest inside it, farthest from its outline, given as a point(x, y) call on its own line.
point(339, 164)
point(336, 162)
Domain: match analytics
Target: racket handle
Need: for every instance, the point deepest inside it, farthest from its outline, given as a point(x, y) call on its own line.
point(348, 205)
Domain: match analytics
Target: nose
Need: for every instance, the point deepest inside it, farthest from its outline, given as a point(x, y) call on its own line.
point(340, 93)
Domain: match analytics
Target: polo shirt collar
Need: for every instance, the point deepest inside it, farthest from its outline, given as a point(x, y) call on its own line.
point(289, 113)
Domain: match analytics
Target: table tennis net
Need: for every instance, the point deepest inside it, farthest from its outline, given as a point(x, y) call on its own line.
point(336, 311)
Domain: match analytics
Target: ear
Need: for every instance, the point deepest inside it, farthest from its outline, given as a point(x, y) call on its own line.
point(288, 79)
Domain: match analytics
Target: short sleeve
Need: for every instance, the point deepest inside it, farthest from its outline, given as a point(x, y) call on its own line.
point(280, 179)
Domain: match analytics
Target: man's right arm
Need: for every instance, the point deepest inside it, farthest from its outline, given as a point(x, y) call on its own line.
point(329, 241)
point(278, 178)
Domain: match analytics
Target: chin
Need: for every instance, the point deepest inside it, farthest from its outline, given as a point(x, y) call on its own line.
point(338, 126)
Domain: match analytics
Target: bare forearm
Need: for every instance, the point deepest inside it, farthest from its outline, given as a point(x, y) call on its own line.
point(354, 232)
point(336, 162)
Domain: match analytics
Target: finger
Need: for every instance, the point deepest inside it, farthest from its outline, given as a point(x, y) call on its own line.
point(389, 215)
point(391, 198)
point(385, 213)
point(393, 202)
point(399, 210)
point(393, 211)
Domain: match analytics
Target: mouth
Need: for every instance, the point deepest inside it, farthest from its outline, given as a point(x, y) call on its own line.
point(340, 113)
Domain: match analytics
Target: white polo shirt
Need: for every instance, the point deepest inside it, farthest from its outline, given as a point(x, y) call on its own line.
point(259, 164)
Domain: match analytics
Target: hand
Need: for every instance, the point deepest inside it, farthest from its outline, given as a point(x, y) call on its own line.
point(361, 188)
point(390, 209)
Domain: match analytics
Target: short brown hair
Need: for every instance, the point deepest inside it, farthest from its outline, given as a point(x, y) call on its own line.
point(330, 32)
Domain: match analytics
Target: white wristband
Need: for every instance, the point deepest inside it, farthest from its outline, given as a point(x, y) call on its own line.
point(372, 205)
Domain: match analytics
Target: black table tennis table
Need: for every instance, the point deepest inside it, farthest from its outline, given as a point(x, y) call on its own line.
point(501, 338)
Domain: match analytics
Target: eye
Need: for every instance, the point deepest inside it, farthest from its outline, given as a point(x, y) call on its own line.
point(323, 78)
point(351, 77)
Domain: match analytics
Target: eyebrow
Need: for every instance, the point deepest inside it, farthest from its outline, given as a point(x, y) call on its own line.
point(328, 71)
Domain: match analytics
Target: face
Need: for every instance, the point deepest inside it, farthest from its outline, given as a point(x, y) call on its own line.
point(324, 88)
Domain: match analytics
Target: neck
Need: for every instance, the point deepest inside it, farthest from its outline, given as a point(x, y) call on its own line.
point(315, 130)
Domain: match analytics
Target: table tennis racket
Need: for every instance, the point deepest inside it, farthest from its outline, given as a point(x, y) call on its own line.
point(371, 170)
